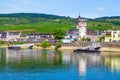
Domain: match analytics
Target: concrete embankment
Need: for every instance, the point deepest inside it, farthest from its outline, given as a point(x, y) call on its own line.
point(62, 48)
point(110, 49)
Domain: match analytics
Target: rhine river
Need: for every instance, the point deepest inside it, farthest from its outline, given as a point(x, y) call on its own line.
point(58, 65)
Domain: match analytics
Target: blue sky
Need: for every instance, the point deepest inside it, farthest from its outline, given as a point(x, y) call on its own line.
point(86, 8)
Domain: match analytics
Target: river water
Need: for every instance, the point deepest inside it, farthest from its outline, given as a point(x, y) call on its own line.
point(58, 65)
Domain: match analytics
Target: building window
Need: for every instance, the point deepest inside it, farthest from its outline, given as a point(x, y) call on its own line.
point(114, 32)
point(118, 35)
point(113, 35)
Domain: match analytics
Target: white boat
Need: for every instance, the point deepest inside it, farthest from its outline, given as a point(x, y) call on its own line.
point(21, 46)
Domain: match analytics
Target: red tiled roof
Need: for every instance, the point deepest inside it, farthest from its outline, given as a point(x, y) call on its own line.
point(108, 33)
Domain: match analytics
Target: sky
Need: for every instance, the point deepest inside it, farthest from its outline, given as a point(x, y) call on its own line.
point(72, 8)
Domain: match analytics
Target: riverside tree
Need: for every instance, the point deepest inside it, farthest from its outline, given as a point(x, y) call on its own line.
point(58, 35)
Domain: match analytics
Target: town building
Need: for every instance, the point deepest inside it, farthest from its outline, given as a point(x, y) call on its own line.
point(38, 37)
point(82, 23)
point(108, 36)
point(10, 36)
point(72, 35)
point(1, 34)
point(92, 35)
point(78, 33)
point(115, 34)
point(112, 35)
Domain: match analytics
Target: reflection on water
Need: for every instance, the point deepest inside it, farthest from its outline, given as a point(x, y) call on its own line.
point(30, 58)
point(112, 60)
point(58, 65)
point(87, 60)
point(82, 66)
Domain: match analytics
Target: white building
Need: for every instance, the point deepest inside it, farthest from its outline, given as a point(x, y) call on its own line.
point(78, 33)
point(82, 23)
point(11, 36)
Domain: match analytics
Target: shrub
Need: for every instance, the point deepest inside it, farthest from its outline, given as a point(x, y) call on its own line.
point(45, 44)
point(102, 38)
point(58, 45)
point(86, 39)
point(2, 42)
point(16, 43)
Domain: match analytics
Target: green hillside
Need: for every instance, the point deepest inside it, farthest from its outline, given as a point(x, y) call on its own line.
point(104, 23)
point(28, 22)
point(35, 22)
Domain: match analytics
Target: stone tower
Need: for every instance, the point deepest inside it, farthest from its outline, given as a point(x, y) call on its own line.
point(82, 23)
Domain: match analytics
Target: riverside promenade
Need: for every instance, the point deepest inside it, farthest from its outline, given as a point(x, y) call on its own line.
point(105, 46)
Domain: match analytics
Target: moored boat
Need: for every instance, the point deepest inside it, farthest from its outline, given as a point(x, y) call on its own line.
point(85, 50)
point(14, 47)
point(18, 47)
point(91, 48)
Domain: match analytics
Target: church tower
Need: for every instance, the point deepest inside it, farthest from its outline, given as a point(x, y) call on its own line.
point(82, 23)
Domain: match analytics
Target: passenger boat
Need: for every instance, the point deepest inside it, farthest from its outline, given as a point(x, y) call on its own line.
point(91, 48)
point(85, 50)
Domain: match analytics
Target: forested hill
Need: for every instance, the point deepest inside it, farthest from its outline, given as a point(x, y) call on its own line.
point(32, 15)
point(28, 17)
point(48, 23)
point(106, 18)
point(104, 23)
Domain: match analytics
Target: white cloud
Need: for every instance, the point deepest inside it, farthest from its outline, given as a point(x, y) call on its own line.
point(100, 9)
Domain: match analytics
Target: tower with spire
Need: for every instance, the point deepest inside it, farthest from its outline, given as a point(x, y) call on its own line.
point(82, 23)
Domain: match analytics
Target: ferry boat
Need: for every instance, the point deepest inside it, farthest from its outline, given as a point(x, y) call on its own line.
point(92, 48)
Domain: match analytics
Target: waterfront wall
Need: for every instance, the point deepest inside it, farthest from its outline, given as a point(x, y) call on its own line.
point(110, 44)
point(103, 44)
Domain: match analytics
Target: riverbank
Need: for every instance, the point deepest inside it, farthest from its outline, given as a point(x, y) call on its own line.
point(103, 49)
point(62, 48)
point(110, 49)
point(51, 47)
